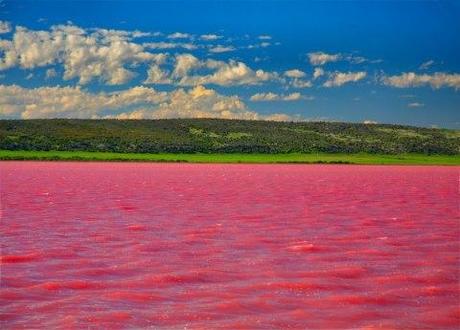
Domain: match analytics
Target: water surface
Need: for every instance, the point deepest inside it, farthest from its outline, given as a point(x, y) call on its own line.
point(129, 245)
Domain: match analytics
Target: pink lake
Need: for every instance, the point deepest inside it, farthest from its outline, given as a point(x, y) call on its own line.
point(182, 246)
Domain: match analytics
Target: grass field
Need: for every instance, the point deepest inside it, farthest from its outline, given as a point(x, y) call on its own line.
point(414, 159)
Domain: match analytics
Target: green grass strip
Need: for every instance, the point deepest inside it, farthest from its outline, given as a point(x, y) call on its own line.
point(404, 159)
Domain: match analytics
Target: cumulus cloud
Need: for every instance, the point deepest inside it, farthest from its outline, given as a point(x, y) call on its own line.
point(301, 83)
point(296, 80)
point(106, 55)
point(411, 79)
point(72, 102)
point(222, 49)
point(295, 73)
point(156, 75)
point(5, 27)
point(169, 45)
point(318, 73)
point(370, 122)
point(230, 73)
point(321, 58)
point(340, 78)
point(111, 34)
point(179, 35)
point(112, 57)
point(185, 63)
point(201, 102)
point(210, 37)
point(260, 45)
point(266, 97)
point(221, 73)
point(134, 103)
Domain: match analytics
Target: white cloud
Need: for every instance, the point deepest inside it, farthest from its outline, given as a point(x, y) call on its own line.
point(71, 102)
point(265, 37)
point(111, 34)
point(140, 34)
point(5, 27)
point(169, 45)
point(296, 79)
point(436, 80)
point(301, 83)
point(261, 59)
point(415, 105)
point(233, 73)
point(221, 73)
point(179, 35)
point(155, 75)
point(292, 97)
point(295, 73)
point(106, 55)
point(222, 49)
point(257, 46)
point(340, 78)
point(318, 73)
point(111, 57)
point(185, 63)
point(210, 37)
point(321, 58)
point(426, 65)
point(134, 103)
point(370, 122)
point(266, 97)
point(356, 59)
point(201, 102)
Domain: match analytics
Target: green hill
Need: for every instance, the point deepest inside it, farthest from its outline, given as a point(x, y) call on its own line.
point(223, 136)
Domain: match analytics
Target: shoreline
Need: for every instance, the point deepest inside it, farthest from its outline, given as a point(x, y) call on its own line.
point(292, 158)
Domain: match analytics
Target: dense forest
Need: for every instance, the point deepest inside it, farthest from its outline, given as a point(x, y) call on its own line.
point(223, 136)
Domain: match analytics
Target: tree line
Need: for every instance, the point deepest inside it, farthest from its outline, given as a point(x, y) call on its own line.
point(223, 136)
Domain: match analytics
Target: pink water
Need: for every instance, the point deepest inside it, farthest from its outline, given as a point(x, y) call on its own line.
point(126, 245)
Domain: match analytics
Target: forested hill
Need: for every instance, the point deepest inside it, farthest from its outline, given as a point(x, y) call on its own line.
point(223, 136)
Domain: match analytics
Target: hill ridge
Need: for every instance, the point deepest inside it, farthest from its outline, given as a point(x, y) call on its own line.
point(223, 136)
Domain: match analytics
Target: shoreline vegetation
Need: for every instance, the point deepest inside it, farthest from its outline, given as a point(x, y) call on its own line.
point(224, 136)
point(255, 158)
point(226, 141)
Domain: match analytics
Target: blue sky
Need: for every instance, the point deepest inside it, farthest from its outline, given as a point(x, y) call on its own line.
point(384, 61)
